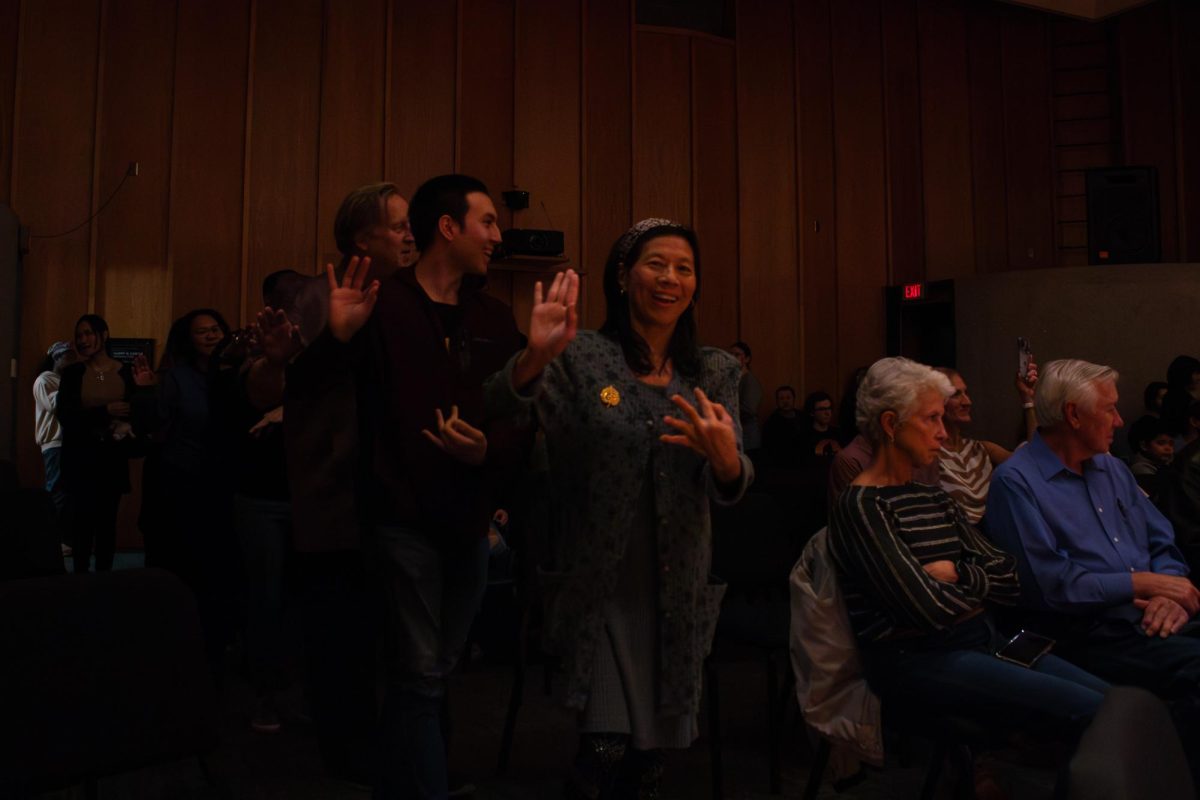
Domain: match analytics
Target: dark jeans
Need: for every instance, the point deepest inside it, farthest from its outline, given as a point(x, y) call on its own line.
point(1118, 651)
point(432, 595)
point(339, 628)
point(93, 525)
point(263, 529)
point(953, 672)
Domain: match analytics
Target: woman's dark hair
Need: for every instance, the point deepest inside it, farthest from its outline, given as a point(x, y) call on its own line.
point(810, 402)
point(683, 349)
point(96, 323)
point(1150, 398)
point(1179, 374)
point(180, 349)
point(1178, 397)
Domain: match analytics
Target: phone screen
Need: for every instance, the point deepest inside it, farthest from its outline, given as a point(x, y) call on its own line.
point(1025, 648)
point(1024, 353)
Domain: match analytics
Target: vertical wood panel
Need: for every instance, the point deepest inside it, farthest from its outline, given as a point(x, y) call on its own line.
point(1148, 108)
point(1186, 21)
point(989, 193)
point(607, 142)
point(10, 23)
point(52, 183)
point(485, 115)
point(1029, 140)
point(861, 204)
point(946, 141)
point(132, 281)
point(209, 129)
point(283, 145)
point(770, 321)
point(421, 103)
point(715, 187)
point(352, 108)
point(818, 218)
point(662, 162)
point(902, 103)
point(547, 122)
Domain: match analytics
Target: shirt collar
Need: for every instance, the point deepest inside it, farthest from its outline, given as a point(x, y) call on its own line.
point(1048, 462)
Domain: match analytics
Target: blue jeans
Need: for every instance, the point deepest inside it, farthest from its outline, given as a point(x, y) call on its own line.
point(954, 672)
point(432, 595)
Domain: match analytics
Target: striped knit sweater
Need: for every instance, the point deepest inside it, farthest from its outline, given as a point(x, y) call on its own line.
point(880, 536)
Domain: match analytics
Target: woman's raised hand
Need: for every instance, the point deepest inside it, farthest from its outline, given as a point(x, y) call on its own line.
point(708, 429)
point(350, 305)
point(143, 375)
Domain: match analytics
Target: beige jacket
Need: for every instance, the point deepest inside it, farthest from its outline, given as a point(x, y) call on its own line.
point(833, 694)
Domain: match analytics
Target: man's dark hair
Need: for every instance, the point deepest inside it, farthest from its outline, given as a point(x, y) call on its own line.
point(363, 208)
point(1146, 430)
point(810, 402)
point(785, 388)
point(438, 197)
point(180, 349)
point(683, 349)
point(745, 348)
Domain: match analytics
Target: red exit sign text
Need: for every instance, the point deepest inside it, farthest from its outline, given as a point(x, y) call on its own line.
point(914, 291)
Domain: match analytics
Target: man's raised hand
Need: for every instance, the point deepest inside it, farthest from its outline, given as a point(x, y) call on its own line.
point(350, 305)
point(457, 438)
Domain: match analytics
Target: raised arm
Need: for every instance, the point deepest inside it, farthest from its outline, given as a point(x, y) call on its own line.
point(553, 322)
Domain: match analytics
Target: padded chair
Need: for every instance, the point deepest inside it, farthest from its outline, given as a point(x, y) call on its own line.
point(101, 674)
point(1130, 750)
point(754, 545)
point(833, 694)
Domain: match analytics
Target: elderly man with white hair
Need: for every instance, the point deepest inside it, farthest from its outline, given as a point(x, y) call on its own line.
point(1093, 552)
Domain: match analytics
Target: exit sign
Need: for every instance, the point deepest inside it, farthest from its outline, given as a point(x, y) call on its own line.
point(914, 291)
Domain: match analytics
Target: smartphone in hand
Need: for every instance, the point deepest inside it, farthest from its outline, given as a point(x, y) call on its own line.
point(1024, 354)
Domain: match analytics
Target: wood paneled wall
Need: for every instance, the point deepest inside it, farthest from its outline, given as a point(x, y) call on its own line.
point(832, 148)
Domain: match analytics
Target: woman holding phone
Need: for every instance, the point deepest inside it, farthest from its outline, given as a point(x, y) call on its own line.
point(641, 433)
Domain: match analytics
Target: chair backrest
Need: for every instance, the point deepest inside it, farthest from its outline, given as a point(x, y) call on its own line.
point(753, 544)
point(833, 694)
point(101, 673)
point(1131, 749)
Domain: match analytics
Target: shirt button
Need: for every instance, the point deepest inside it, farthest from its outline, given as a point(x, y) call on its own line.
point(666, 567)
point(1101, 510)
point(662, 475)
point(649, 423)
point(1115, 539)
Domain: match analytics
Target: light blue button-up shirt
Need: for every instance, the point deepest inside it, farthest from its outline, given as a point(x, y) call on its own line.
point(1078, 538)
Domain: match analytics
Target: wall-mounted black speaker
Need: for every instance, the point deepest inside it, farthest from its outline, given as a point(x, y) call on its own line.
point(1122, 210)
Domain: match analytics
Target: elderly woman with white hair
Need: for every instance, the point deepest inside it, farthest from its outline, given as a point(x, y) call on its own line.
point(918, 578)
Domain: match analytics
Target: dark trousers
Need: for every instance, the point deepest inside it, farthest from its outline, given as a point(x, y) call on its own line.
point(339, 627)
point(432, 595)
point(1118, 651)
point(93, 526)
point(263, 529)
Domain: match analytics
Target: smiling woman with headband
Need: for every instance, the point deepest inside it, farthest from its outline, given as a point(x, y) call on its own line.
point(641, 432)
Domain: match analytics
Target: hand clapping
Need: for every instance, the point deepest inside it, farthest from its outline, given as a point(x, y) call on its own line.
point(709, 431)
point(458, 438)
point(350, 305)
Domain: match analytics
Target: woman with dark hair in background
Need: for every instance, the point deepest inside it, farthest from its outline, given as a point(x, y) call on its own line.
point(96, 409)
point(186, 517)
point(633, 467)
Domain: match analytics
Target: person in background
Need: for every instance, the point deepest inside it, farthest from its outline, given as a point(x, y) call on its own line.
point(1183, 386)
point(47, 431)
point(99, 406)
point(783, 435)
point(634, 467)
point(965, 465)
point(822, 437)
point(189, 488)
point(750, 395)
point(1182, 497)
point(1153, 450)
